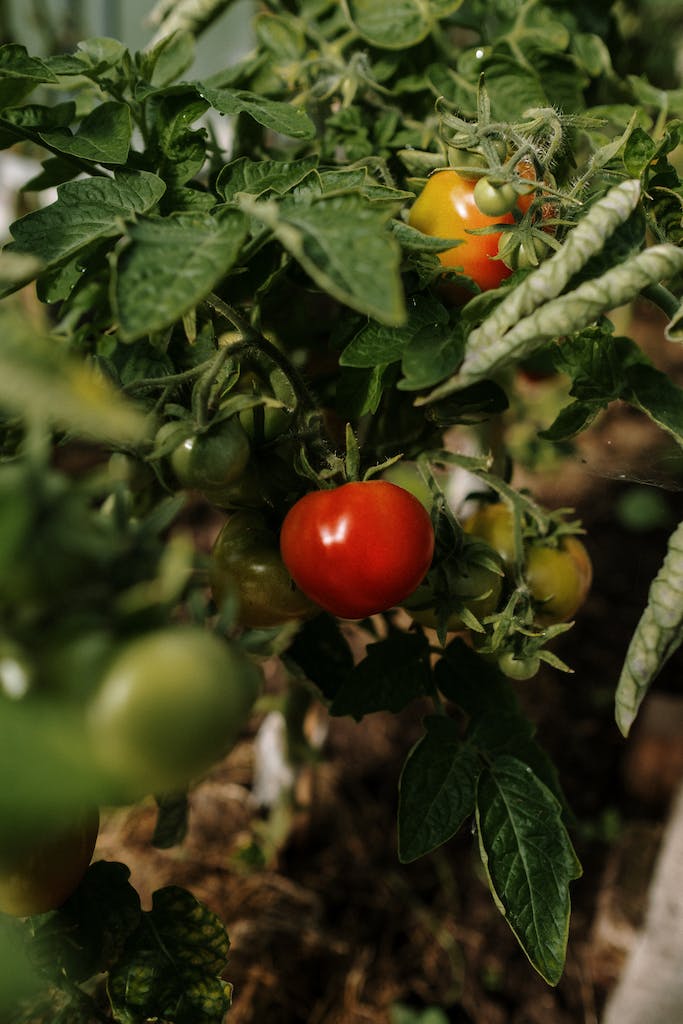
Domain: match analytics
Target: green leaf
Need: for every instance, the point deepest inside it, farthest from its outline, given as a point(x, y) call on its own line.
point(15, 62)
point(39, 381)
point(436, 789)
point(170, 968)
point(36, 117)
point(431, 355)
point(281, 34)
point(405, 24)
point(571, 420)
point(103, 136)
point(86, 936)
point(658, 634)
point(181, 152)
point(84, 211)
point(173, 55)
point(171, 265)
point(256, 177)
point(605, 369)
point(473, 684)
point(393, 672)
point(320, 650)
point(280, 117)
point(529, 860)
point(638, 152)
point(343, 243)
point(19, 977)
point(376, 344)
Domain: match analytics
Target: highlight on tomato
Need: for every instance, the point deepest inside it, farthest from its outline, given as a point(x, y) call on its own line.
point(171, 704)
point(358, 549)
point(40, 867)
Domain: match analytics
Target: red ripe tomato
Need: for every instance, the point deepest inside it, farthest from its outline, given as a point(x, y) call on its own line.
point(358, 549)
point(446, 208)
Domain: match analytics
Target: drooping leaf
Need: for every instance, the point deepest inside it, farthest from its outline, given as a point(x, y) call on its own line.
point(436, 789)
point(529, 860)
point(657, 636)
point(171, 265)
point(344, 244)
point(568, 313)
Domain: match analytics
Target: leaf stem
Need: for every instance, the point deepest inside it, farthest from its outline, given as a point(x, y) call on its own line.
point(660, 296)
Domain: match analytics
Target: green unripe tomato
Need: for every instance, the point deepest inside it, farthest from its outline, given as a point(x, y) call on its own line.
point(494, 524)
point(170, 705)
point(407, 475)
point(519, 668)
point(494, 200)
point(246, 557)
point(41, 868)
point(212, 459)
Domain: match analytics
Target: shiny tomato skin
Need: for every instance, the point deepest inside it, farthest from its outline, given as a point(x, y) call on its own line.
point(43, 868)
point(357, 549)
point(446, 208)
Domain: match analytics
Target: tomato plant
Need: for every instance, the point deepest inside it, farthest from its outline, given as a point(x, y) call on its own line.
point(265, 318)
point(246, 561)
point(358, 549)
point(41, 867)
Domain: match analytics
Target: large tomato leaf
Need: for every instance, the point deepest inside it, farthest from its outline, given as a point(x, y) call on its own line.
point(529, 860)
point(436, 789)
point(83, 212)
point(657, 636)
point(377, 344)
point(172, 264)
point(171, 965)
point(103, 136)
point(343, 242)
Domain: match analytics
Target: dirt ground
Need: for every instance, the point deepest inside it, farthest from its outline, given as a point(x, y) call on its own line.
point(329, 928)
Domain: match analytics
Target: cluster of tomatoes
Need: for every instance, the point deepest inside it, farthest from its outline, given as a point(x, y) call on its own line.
point(498, 222)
